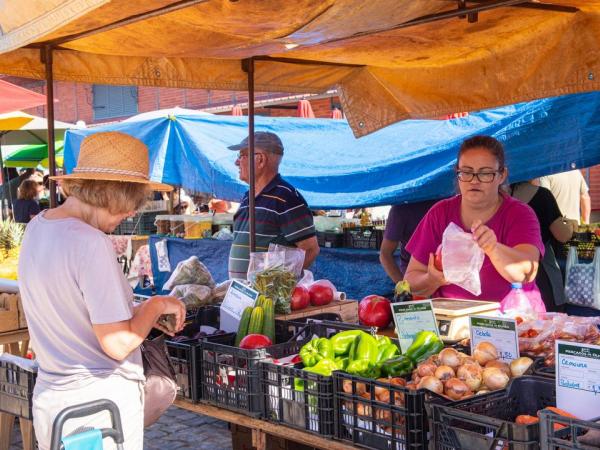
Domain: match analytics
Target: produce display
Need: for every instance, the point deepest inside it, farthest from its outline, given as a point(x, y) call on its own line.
point(375, 311)
point(457, 376)
point(320, 294)
point(257, 320)
point(537, 337)
point(300, 298)
point(11, 235)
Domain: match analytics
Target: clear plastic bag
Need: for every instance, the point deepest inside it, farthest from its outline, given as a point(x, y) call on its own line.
point(190, 271)
point(462, 259)
point(193, 295)
point(275, 274)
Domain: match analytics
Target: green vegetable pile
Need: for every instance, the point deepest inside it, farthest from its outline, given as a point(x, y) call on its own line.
point(358, 353)
point(278, 284)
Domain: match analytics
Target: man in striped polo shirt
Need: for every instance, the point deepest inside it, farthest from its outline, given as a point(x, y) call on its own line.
point(282, 215)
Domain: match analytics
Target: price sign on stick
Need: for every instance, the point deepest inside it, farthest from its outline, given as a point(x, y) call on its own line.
point(412, 317)
point(500, 332)
point(238, 297)
point(578, 378)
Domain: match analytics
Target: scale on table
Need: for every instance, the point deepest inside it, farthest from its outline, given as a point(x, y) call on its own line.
point(452, 316)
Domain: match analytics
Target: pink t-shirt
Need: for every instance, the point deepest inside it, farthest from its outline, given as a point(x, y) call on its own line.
point(514, 223)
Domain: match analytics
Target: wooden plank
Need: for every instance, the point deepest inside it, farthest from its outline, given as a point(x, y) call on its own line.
point(9, 312)
point(11, 337)
point(347, 309)
point(266, 427)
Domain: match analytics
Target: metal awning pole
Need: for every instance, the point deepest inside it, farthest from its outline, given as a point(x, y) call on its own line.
point(5, 180)
point(248, 66)
point(47, 60)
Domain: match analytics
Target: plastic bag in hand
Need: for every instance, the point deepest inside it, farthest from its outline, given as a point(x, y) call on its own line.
point(462, 259)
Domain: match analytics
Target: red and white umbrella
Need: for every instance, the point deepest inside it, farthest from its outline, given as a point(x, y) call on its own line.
point(305, 110)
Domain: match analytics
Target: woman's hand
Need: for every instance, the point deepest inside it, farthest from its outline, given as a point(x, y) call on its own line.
point(171, 305)
point(484, 236)
point(436, 276)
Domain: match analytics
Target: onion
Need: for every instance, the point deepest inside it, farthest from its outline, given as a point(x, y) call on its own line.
point(494, 378)
point(468, 360)
point(364, 409)
point(485, 352)
point(520, 365)
point(383, 396)
point(361, 388)
point(431, 383)
point(483, 391)
point(380, 389)
point(433, 359)
point(449, 357)
point(397, 381)
point(426, 369)
point(471, 374)
point(456, 389)
point(500, 365)
point(443, 373)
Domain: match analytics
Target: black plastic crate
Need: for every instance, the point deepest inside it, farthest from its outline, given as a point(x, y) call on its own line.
point(586, 243)
point(564, 433)
point(487, 421)
point(140, 224)
point(186, 356)
point(16, 388)
point(230, 376)
point(329, 239)
point(369, 238)
point(298, 399)
point(397, 424)
point(542, 370)
point(301, 399)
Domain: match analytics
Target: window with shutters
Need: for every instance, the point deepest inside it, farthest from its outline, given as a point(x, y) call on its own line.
point(114, 101)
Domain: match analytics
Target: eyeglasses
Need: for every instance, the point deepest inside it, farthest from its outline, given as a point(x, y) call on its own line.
point(483, 177)
point(245, 155)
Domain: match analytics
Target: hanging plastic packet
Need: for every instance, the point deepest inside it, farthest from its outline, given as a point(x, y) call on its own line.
point(462, 259)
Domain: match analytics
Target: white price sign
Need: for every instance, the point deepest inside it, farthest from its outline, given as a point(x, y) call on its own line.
point(578, 379)
point(500, 332)
point(238, 297)
point(412, 317)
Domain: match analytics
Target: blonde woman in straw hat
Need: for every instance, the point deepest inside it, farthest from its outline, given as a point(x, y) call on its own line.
point(84, 329)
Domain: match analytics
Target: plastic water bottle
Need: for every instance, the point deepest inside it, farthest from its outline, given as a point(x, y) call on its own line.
point(519, 303)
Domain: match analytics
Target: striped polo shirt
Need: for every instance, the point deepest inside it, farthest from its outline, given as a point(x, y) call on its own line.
point(282, 217)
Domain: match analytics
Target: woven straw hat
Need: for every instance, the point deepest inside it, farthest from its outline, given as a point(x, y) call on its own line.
point(113, 156)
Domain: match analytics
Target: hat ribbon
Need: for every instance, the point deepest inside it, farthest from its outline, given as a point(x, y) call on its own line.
point(109, 171)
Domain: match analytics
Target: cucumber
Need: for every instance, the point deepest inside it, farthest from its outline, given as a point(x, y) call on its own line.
point(269, 322)
point(256, 321)
point(243, 327)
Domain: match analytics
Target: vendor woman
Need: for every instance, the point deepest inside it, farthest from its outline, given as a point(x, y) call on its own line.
point(506, 229)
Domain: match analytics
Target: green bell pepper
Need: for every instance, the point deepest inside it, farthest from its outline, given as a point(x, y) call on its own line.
point(425, 344)
point(382, 340)
point(315, 351)
point(397, 367)
point(342, 341)
point(363, 368)
point(324, 367)
point(342, 362)
point(386, 352)
point(364, 347)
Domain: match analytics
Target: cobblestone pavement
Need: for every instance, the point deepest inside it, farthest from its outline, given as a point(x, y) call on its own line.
point(176, 429)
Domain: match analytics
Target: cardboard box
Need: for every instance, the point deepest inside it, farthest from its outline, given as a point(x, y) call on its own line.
point(9, 312)
point(347, 310)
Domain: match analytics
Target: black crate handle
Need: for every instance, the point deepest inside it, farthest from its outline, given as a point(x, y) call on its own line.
point(448, 413)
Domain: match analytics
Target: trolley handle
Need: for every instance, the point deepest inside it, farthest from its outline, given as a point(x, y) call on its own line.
point(88, 409)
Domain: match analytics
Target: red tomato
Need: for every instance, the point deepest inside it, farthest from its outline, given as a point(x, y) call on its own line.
point(375, 311)
point(437, 262)
point(320, 295)
point(255, 341)
point(300, 298)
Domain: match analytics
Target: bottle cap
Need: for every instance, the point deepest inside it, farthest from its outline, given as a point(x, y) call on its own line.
point(516, 285)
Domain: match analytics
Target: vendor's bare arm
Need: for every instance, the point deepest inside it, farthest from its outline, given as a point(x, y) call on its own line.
point(311, 249)
point(119, 339)
point(386, 258)
point(424, 280)
point(517, 264)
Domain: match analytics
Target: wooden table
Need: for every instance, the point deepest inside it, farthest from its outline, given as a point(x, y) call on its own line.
point(16, 343)
point(261, 428)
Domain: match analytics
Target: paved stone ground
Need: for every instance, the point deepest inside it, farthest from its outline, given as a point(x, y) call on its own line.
point(176, 429)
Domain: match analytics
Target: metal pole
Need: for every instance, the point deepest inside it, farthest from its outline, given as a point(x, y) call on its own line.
point(251, 191)
point(47, 59)
point(5, 185)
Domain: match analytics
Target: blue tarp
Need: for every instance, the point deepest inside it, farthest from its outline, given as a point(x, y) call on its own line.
point(355, 272)
point(408, 161)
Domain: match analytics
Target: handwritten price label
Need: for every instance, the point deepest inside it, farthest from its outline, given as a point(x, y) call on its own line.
point(498, 331)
